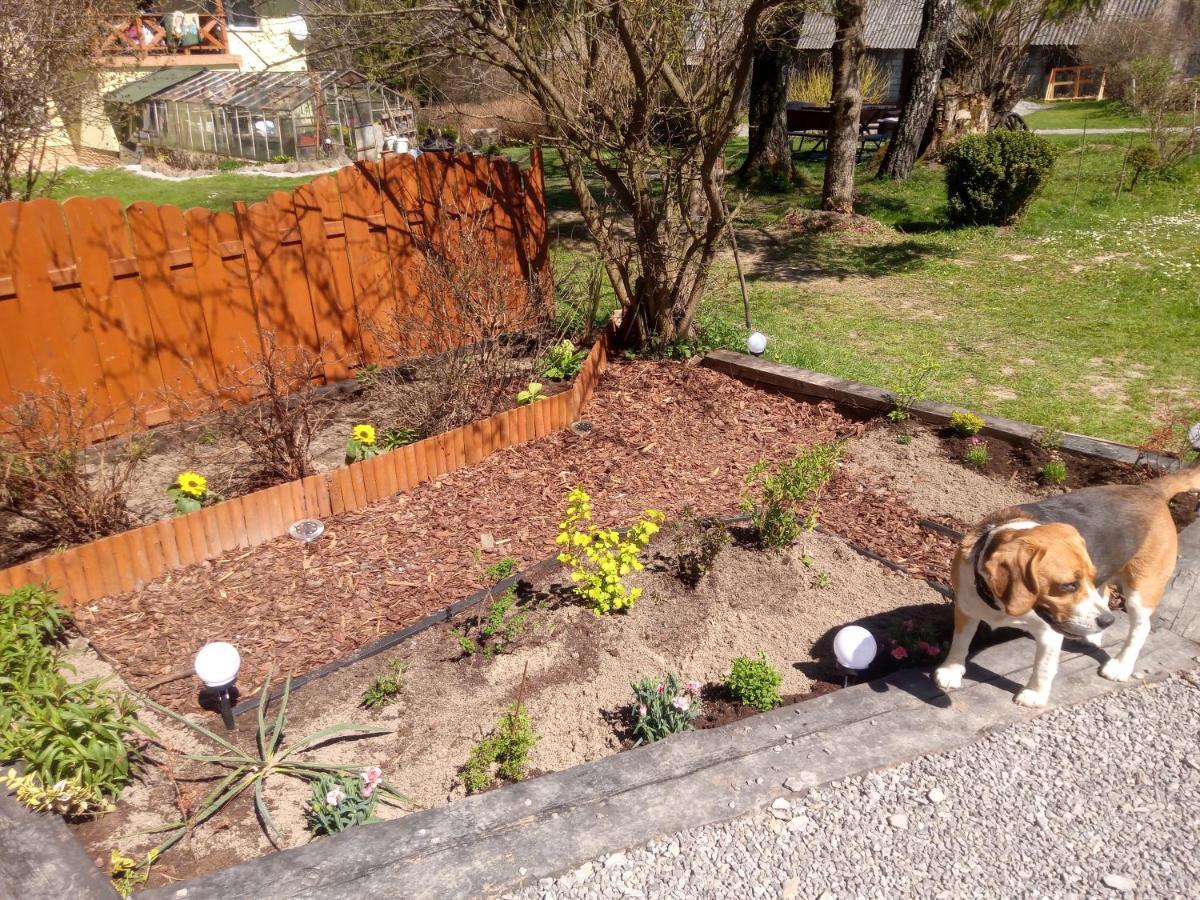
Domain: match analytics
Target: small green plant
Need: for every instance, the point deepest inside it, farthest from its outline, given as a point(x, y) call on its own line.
point(664, 707)
point(563, 361)
point(904, 439)
point(531, 394)
point(498, 571)
point(504, 753)
point(754, 682)
point(361, 445)
point(915, 643)
point(991, 179)
point(126, 873)
point(910, 385)
point(208, 436)
point(782, 502)
point(822, 580)
point(396, 437)
point(495, 631)
point(247, 770)
point(697, 545)
point(387, 685)
point(600, 558)
point(281, 158)
point(1048, 438)
point(1054, 471)
point(230, 165)
point(965, 424)
point(342, 800)
point(465, 643)
point(368, 375)
point(190, 493)
point(976, 453)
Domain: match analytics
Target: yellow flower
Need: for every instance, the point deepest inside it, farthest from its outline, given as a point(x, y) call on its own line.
point(193, 484)
point(364, 434)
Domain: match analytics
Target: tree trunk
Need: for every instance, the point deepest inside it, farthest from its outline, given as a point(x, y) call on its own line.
point(849, 49)
point(905, 145)
point(770, 153)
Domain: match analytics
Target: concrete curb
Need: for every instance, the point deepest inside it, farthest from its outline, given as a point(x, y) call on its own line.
point(41, 860)
point(803, 383)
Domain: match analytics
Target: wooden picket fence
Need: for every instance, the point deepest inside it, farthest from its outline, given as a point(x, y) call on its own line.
point(125, 561)
point(135, 306)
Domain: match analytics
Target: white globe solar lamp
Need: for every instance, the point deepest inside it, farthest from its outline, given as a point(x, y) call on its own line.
point(217, 667)
point(855, 649)
point(1194, 435)
point(756, 343)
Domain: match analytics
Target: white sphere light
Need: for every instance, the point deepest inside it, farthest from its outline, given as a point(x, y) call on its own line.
point(217, 664)
point(854, 647)
point(756, 343)
point(1194, 435)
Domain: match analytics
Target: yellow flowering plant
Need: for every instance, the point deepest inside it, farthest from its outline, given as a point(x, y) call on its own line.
point(362, 444)
point(190, 492)
point(601, 558)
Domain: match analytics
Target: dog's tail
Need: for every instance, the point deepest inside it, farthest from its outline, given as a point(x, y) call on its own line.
point(1176, 483)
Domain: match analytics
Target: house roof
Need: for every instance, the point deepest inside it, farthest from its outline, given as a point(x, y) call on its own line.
point(891, 25)
point(138, 90)
point(1072, 32)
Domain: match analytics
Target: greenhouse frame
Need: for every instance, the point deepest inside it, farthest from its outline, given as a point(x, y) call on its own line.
point(270, 116)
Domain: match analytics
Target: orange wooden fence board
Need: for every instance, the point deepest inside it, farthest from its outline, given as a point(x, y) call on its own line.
point(366, 245)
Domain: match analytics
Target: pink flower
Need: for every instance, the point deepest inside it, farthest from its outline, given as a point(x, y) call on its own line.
point(908, 624)
point(692, 688)
point(660, 687)
point(371, 778)
point(682, 703)
point(642, 710)
point(932, 650)
point(899, 653)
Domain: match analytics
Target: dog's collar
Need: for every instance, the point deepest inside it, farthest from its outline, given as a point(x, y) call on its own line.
point(982, 545)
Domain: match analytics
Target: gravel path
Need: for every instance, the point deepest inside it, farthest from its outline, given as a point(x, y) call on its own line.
point(1096, 800)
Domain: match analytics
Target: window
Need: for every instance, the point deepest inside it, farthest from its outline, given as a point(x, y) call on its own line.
point(242, 13)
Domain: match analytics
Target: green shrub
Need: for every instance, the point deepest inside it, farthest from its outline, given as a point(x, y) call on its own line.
point(991, 179)
point(662, 708)
point(965, 423)
point(977, 453)
point(563, 361)
point(1054, 471)
point(502, 625)
point(498, 571)
point(396, 437)
point(387, 685)
point(230, 165)
point(755, 682)
point(1144, 159)
point(697, 545)
point(777, 499)
point(338, 803)
point(78, 734)
point(910, 384)
point(506, 749)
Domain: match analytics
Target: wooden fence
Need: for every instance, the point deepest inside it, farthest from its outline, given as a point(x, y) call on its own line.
point(128, 560)
point(141, 304)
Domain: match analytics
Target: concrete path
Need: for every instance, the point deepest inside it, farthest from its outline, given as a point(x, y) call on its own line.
point(1096, 800)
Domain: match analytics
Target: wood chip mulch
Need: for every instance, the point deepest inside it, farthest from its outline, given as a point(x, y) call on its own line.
point(664, 436)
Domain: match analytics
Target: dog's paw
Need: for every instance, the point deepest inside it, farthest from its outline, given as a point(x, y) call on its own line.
point(1115, 670)
point(1095, 640)
point(949, 677)
point(1031, 699)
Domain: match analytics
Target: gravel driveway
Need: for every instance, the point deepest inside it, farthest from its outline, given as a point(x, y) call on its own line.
point(1096, 800)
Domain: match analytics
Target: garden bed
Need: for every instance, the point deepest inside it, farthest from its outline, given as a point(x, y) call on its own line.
point(882, 551)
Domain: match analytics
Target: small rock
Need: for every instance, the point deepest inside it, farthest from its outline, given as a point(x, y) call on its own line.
point(899, 821)
point(487, 542)
point(521, 871)
point(936, 795)
point(1119, 882)
point(673, 849)
point(791, 888)
point(800, 823)
point(758, 781)
point(614, 860)
point(583, 873)
point(731, 804)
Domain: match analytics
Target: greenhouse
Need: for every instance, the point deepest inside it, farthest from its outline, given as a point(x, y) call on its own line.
point(268, 116)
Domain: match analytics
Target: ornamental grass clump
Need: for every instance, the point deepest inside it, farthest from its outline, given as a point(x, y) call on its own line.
point(755, 682)
point(1055, 470)
point(342, 800)
point(664, 707)
point(600, 558)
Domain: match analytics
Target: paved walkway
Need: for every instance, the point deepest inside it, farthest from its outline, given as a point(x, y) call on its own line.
point(1101, 799)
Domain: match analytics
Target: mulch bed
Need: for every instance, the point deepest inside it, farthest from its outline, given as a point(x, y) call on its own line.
point(664, 436)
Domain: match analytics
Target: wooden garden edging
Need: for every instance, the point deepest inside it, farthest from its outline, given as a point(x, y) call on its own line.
point(123, 562)
point(139, 305)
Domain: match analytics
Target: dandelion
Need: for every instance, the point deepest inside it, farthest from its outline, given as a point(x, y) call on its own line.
point(193, 484)
point(371, 778)
point(335, 797)
point(364, 434)
point(692, 688)
point(899, 653)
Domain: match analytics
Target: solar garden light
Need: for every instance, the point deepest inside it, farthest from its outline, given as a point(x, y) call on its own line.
point(756, 343)
point(855, 649)
point(307, 530)
point(217, 666)
point(1194, 435)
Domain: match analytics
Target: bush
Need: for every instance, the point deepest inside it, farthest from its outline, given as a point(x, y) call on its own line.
point(563, 361)
point(600, 558)
point(965, 424)
point(506, 749)
point(697, 545)
point(755, 682)
point(73, 739)
point(340, 801)
point(777, 499)
point(662, 708)
point(991, 179)
point(1143, 160)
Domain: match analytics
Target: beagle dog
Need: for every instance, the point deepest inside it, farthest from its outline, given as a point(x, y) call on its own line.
point(1046, 567)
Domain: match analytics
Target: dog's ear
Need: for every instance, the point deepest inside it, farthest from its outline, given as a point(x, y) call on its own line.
point(1011, 573)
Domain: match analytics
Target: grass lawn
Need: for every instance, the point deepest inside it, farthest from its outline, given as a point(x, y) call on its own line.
point(1098, 113)
point(215, 192)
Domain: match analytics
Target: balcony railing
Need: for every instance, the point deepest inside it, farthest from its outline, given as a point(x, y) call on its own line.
point(152, 34)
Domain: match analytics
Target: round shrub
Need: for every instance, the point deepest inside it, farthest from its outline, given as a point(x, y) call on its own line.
point(991, 179)
point(755, 682)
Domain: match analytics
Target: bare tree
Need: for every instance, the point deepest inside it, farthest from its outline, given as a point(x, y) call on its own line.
point(47, 70)
point(769, 156)
point(849, 50)
point(937, 19)
point(639, 97)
